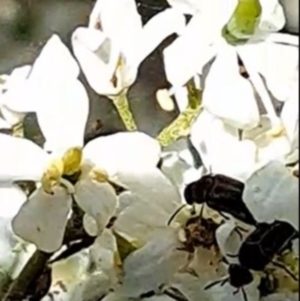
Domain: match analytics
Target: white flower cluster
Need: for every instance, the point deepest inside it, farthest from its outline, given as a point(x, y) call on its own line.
point(158, 227)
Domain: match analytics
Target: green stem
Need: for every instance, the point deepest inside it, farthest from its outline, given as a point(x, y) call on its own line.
point(121, 104)
point(180, 127)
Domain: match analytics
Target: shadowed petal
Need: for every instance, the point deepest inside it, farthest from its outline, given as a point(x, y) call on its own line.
point(272, 193)
point(98, 200)
point(43, 218)
point(153, 265)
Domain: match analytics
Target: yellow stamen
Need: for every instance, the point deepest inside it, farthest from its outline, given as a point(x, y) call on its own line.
point(72, 161)
point(52, 175)
point(99, 175)
point(276, 131)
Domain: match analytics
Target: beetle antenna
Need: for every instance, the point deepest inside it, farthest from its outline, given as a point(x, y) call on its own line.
point(283, 267)
point(232, 255)
point(221, 282)
point(244, 294)
point(175, 214)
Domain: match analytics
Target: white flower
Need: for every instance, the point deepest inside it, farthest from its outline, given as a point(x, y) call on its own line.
point(226, 93)
point(9, 86)
point(272, 193)
point(291, 9)
point(14, 253)
point(115, 43)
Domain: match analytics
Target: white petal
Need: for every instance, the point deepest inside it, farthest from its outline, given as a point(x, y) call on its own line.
point(69, 107)
point(4, 124)
point(196, 55)
point(97, 56)
point(282, 296)
point(159, 298)
point(158, 28)
point(220, 149)
point(140, 221)
point(181, 96)
point(151, 186)
point(98, 200)
point(94, 287)
point(228, 240)
point(10, 116)
point(16, 98)
point(272, 193)
point(119, 20)
point(11, 200)
point(20, 159)
point(43, 218)
point(153, 265)
point(277, 63)
point(291, 9)
point(123, 151)
point(227, 94)
point(290, 114)
point(189, 7)
point(272, 17)
point(103, 252)
point(54, 65)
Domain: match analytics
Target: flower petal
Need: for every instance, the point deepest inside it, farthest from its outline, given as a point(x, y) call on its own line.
point(98, 200)
point(4, 124)
point(123, 151)
point(272, 17)
point(220, 149)
point(276, 61)
point(291, 9)
point(151, 186)
point(11, 200)
point(196, 55)
point(69, 107)
point(54, 65)
point(120, 21)
point(43, 218)
point(20, 159)
point(103, 253)
point(152, 195)
point(189, 7)
point(282, 296)
point(97, 56)
point(158, 28)
point(227, 94)
point(153, 265)
point(272, 193)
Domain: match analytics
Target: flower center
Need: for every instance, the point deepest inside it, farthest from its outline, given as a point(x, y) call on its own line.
point(68, 164)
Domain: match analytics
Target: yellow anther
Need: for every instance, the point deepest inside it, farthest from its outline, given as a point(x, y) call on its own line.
point(52, 175)
point(99, 175)
point(72, 161)
point(276, 131)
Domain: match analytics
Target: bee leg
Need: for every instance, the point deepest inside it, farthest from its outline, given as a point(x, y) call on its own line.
point(238, 232)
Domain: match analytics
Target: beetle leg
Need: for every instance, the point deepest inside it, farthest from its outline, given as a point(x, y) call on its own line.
point(232, 255)
point(244, 294)
point(283, 267)
point(212, 284)
point(238, 232)
point(236, 292)
point(224, 216)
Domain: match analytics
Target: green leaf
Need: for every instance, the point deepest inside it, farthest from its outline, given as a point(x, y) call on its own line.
point(243, 23)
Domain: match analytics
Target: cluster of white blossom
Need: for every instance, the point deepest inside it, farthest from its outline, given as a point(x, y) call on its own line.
point(126, 186)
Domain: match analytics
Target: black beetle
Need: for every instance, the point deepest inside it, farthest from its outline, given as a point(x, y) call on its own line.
point(238, 276)
point(264, 243)
point(222, 194)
